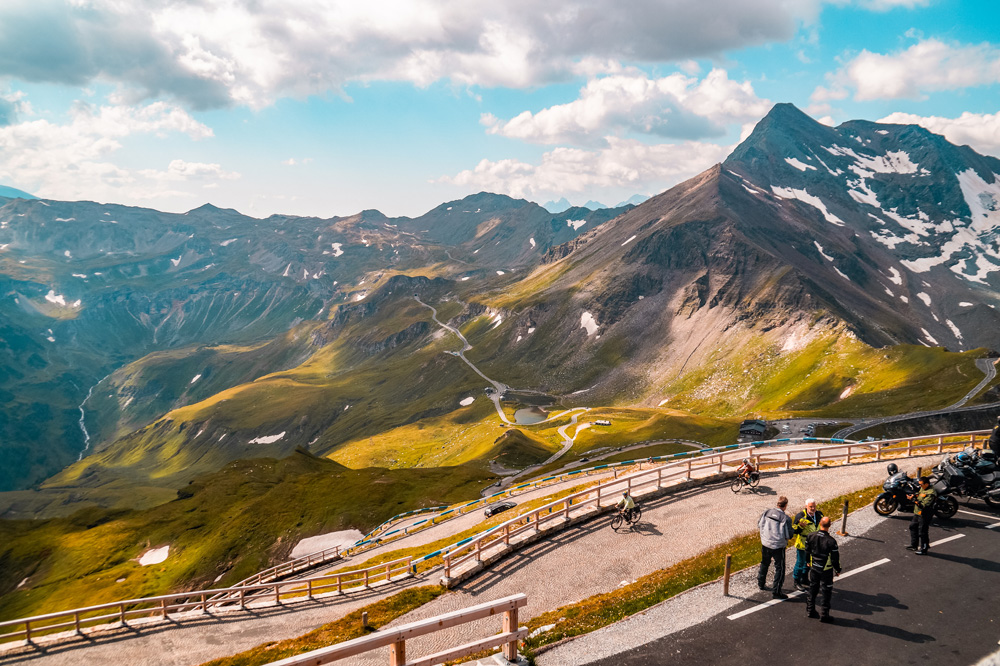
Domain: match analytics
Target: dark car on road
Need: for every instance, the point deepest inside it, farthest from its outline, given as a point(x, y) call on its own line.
point(494, 509)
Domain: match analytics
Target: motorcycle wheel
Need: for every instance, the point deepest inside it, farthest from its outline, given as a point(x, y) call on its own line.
point(946, 507)
point(886, 504)
point(992, 502)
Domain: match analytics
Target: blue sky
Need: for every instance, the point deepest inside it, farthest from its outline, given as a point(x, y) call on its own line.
point(328, 107)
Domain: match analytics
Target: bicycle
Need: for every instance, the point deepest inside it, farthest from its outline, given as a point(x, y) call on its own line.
point(631, 516)
point(750, 480)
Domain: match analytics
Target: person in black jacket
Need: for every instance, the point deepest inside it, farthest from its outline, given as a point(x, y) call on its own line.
point(994, 441)
point(824, 563)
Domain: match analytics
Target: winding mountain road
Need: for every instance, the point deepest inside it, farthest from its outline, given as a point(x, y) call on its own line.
point(989, 369)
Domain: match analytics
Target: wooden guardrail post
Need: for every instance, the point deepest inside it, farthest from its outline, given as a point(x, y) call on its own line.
point(364, 620)
point(163, 608)
point(340, 584)
point(397, 653)
point(788, 459)
point(309, 589)
point(509, 625)
point(725, 575)
point(941, 443)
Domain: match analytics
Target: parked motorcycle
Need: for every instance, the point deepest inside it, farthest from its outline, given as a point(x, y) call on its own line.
point(973, 474)
point(899, 488)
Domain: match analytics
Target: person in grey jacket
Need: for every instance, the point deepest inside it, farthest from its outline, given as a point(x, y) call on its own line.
point(775, 531)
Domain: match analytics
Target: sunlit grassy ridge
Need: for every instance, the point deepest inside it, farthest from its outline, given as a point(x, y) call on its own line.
point(831, 375)
point(232, 523)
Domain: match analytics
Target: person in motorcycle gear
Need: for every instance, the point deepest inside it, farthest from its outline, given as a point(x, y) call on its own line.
point(923, 512)
point(804, 523)
point(994, 441)
point(892, 469)
point(824, 563)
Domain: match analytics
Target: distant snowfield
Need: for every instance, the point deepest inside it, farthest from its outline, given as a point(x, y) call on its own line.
point(343, 538)
point(195, 378)
point(576, 224)
point(801, 166)
point(271, 439)
point(337, 251)
point(588, 322)
point(628, 240)
point(154, 556)
point(465, 402)
point(805, 197)
point(53, 297)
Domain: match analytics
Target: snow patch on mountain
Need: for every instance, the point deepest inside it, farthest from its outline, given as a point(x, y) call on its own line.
point(925, 298)
point(465, 402)
point(588, 322)
point(929, 336)
point(532, 241)
point(57, 299)
point(801, 166)
point(824, 254)
point(337, 251)
point(270, 439)
point(226, 243)
point(895, 276)
point(954, 329)
point(576, 224)
point(628, 240)
point(805, 197)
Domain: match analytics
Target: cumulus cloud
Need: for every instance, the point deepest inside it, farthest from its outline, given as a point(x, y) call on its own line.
point(624, 165)
point(676, 106)
point(928, 66)
point(224, 52)
point(981, 131)
point(72, 160)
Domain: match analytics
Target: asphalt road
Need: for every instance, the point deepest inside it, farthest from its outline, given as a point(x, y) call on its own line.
point(940, 609)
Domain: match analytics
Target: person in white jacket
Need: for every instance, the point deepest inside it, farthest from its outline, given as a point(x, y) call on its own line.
point(775, 531)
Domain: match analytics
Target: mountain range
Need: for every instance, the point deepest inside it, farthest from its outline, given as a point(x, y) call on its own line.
point(818, 270)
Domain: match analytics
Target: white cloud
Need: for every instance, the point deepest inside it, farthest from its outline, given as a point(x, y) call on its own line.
point(179, 170)
point(927, 66)
point(223, 52)
point(886, 5)
point(624, 165)
point(979, 130)
point(676, 106)
point(72, 160)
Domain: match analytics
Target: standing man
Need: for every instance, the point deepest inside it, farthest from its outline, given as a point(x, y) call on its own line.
point(824, 564)
point(923, 511)
point(805, 523)
point(775, 531)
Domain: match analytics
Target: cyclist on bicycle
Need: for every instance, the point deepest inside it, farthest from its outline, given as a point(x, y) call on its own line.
point(626, 504)
point(745, 469)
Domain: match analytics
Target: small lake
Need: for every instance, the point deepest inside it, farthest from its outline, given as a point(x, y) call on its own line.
point(529, 415)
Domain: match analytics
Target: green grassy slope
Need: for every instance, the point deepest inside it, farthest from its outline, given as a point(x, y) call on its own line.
point(232, 523)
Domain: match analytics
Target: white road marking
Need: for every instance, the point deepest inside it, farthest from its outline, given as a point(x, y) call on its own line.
point(864, 568)
point(754, 609)
point(993, 526)
point(946, 540)
point(973, 513)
